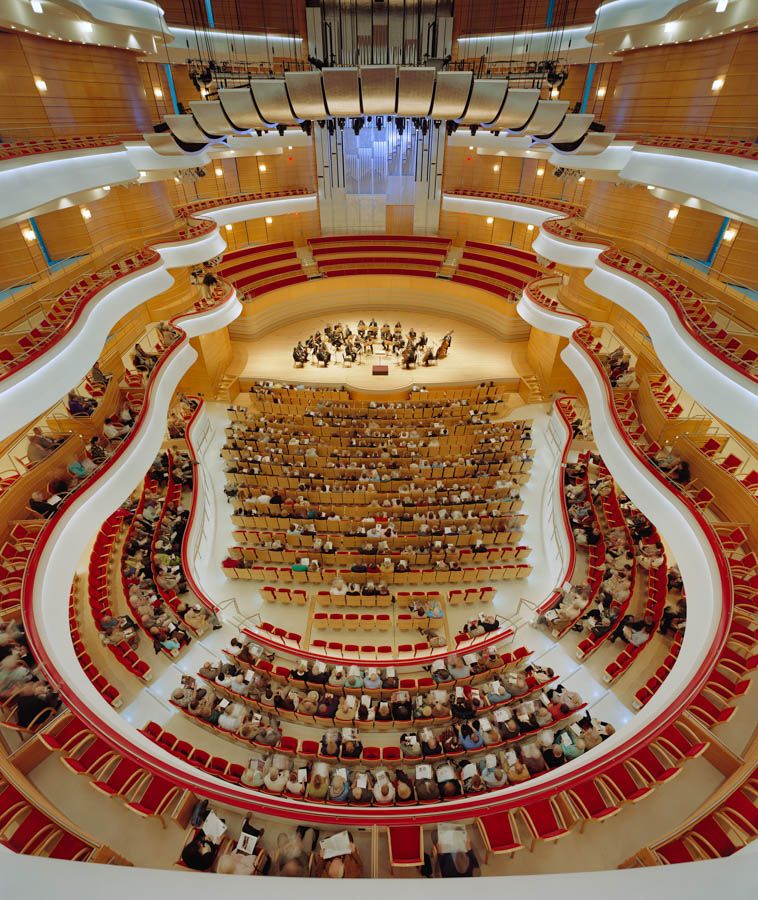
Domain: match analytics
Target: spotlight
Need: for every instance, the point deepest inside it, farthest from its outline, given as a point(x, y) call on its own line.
point(341, 122)
point(281, 129)
point(40, 85)
point(379, 123)
point(269, 220)
point(262, 167)
point(673, 213)
point(400, 124)
point(490, 220)
point(540, 172)
point(474, 129)
point(330, 126)
point(424, 126)
point(357, 125)
point(158, 92)
point(729, 235)
point(30, 236)
point(228, 227)
point(86, 214)
point(306, 126)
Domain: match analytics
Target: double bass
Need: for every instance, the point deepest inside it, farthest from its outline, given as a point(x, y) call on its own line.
point(409, 355)
point(445, 345)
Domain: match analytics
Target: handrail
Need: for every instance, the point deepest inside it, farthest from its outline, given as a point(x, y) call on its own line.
point(565, 227)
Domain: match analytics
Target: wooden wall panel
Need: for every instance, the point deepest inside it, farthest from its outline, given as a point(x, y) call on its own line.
point(90, 90)
point(475, 17)
point(19, 259)
point(399, 219)
point(736, 260)
point(22, 112)
point(667, 90)
point(282, 17)
point(462, 227)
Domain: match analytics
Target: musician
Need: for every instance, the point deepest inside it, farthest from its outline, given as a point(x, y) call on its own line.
point(300, 354)
point(386, 333)
point(411, 335)
point(350, 351)
point(361, 326)
point(423, 340)
point(428, 356)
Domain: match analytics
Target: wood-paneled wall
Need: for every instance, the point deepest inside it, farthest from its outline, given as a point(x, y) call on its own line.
point(667, 90)
point(476, 17)
point(90, 90)
point(282, 17)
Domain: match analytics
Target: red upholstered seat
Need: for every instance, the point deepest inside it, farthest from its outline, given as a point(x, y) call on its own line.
point(622, 785)
point(591, 802)
point(675, 851)
point(68, 846)
point(498, 832)
point(124, 776)
point(406, 845)
point(543, 822)
point(679, 745)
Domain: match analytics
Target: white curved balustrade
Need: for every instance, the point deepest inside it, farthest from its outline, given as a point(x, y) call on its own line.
point(695, 549)
point(725, 392)
point(712, 381)
point(35, 387)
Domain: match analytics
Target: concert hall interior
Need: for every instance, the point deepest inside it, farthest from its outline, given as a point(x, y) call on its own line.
point(379, 451)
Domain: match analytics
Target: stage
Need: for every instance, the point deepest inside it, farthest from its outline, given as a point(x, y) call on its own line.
point(474, 355)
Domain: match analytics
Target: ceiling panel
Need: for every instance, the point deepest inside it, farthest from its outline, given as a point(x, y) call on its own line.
point(240, 109)
point(342, 91)
point(306, 95)
point(415, 91)
point(451, 94)
point(378, 90)
point(486, 101)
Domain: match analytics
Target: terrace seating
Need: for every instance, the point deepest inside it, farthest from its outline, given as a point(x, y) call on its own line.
point(257, 270)
point(379, 254)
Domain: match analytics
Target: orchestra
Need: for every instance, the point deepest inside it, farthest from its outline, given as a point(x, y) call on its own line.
point(340, 343)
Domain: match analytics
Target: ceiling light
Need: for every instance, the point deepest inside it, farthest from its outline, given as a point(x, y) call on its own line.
point(41, 86)
point(730, 234)
point(540, 172)
point(490, 220)
point(582, 179)
point(106, 187)
point(471, 146)
point(721, 5)
point(530, 227)
point(673, 213)
point(228, 227)
point(262, 167)
point(496, 168)
point(219, 171)
point(269, 220)
point(177, 179)
point(86, 26)
point(289, 146)
point(601, 92)
point(717, 84)
point(651, 187)
point(143, 174)
point(555, 94)
point(30, 236)
point(86, 214)
point(158, 92)
point(36, 7)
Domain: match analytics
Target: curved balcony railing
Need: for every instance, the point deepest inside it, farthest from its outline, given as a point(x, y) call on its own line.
point(578, 331)
point(155, 759)
point(731, 360)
